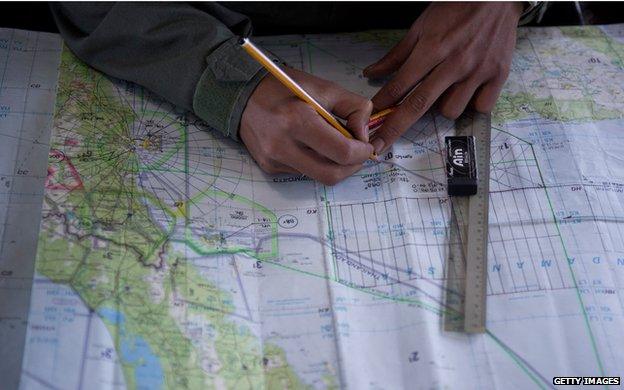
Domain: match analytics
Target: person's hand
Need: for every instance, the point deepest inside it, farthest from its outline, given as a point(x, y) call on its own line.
point(285, 134)
point(458, 52)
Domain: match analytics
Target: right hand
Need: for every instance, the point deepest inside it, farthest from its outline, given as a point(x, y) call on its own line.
point(285, 135)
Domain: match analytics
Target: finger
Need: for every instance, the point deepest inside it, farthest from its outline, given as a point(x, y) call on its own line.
point(418, 64)
point(345, 104)
point(393, 59)
point(273, 167)
point(356, 110)
point(457, 97)
point(414, 107)
point(278, 167)
point(317, 167)
point(485, 98)
point(324, 139)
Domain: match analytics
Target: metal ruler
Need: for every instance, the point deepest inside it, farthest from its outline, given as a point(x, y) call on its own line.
point(466, 266)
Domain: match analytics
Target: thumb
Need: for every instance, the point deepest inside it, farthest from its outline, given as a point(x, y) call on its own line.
point(357, 121)
point(392, 128)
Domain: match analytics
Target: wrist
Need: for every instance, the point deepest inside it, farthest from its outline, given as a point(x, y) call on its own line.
point(224, 88)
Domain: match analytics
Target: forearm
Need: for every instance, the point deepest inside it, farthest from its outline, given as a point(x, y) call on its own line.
point(185, 54)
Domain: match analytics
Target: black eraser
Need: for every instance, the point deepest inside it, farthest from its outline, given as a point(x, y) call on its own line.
point(461, 165)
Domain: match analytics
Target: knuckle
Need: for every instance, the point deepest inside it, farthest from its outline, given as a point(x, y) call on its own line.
point(394, 90)
point(417, 102)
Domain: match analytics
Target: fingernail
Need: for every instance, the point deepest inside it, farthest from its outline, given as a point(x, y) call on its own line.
point(366, 130)
point(379, 144)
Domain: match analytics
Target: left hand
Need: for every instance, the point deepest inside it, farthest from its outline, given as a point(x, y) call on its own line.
point(458, 52)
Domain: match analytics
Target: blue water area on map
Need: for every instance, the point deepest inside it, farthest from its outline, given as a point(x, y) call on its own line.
point(136, 351)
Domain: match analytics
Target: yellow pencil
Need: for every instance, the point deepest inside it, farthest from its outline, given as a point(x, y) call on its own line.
point(291, 84)
point(381, 114)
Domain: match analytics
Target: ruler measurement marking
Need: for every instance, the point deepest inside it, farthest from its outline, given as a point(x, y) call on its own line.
point(476, 258)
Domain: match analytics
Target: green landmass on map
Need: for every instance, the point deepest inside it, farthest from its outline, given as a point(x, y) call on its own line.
point(578, 84)
point(100, 239)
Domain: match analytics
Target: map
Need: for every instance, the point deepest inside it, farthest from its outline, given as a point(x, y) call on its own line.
point(167, 259)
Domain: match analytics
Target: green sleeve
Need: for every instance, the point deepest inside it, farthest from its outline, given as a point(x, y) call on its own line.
point(185, 53)
point(225, 86)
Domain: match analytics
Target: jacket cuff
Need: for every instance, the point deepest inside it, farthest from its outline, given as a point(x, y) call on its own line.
point(533, 11)
point(225, 86)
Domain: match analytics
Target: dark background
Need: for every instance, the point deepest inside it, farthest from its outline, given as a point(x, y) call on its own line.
point(36, 15)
